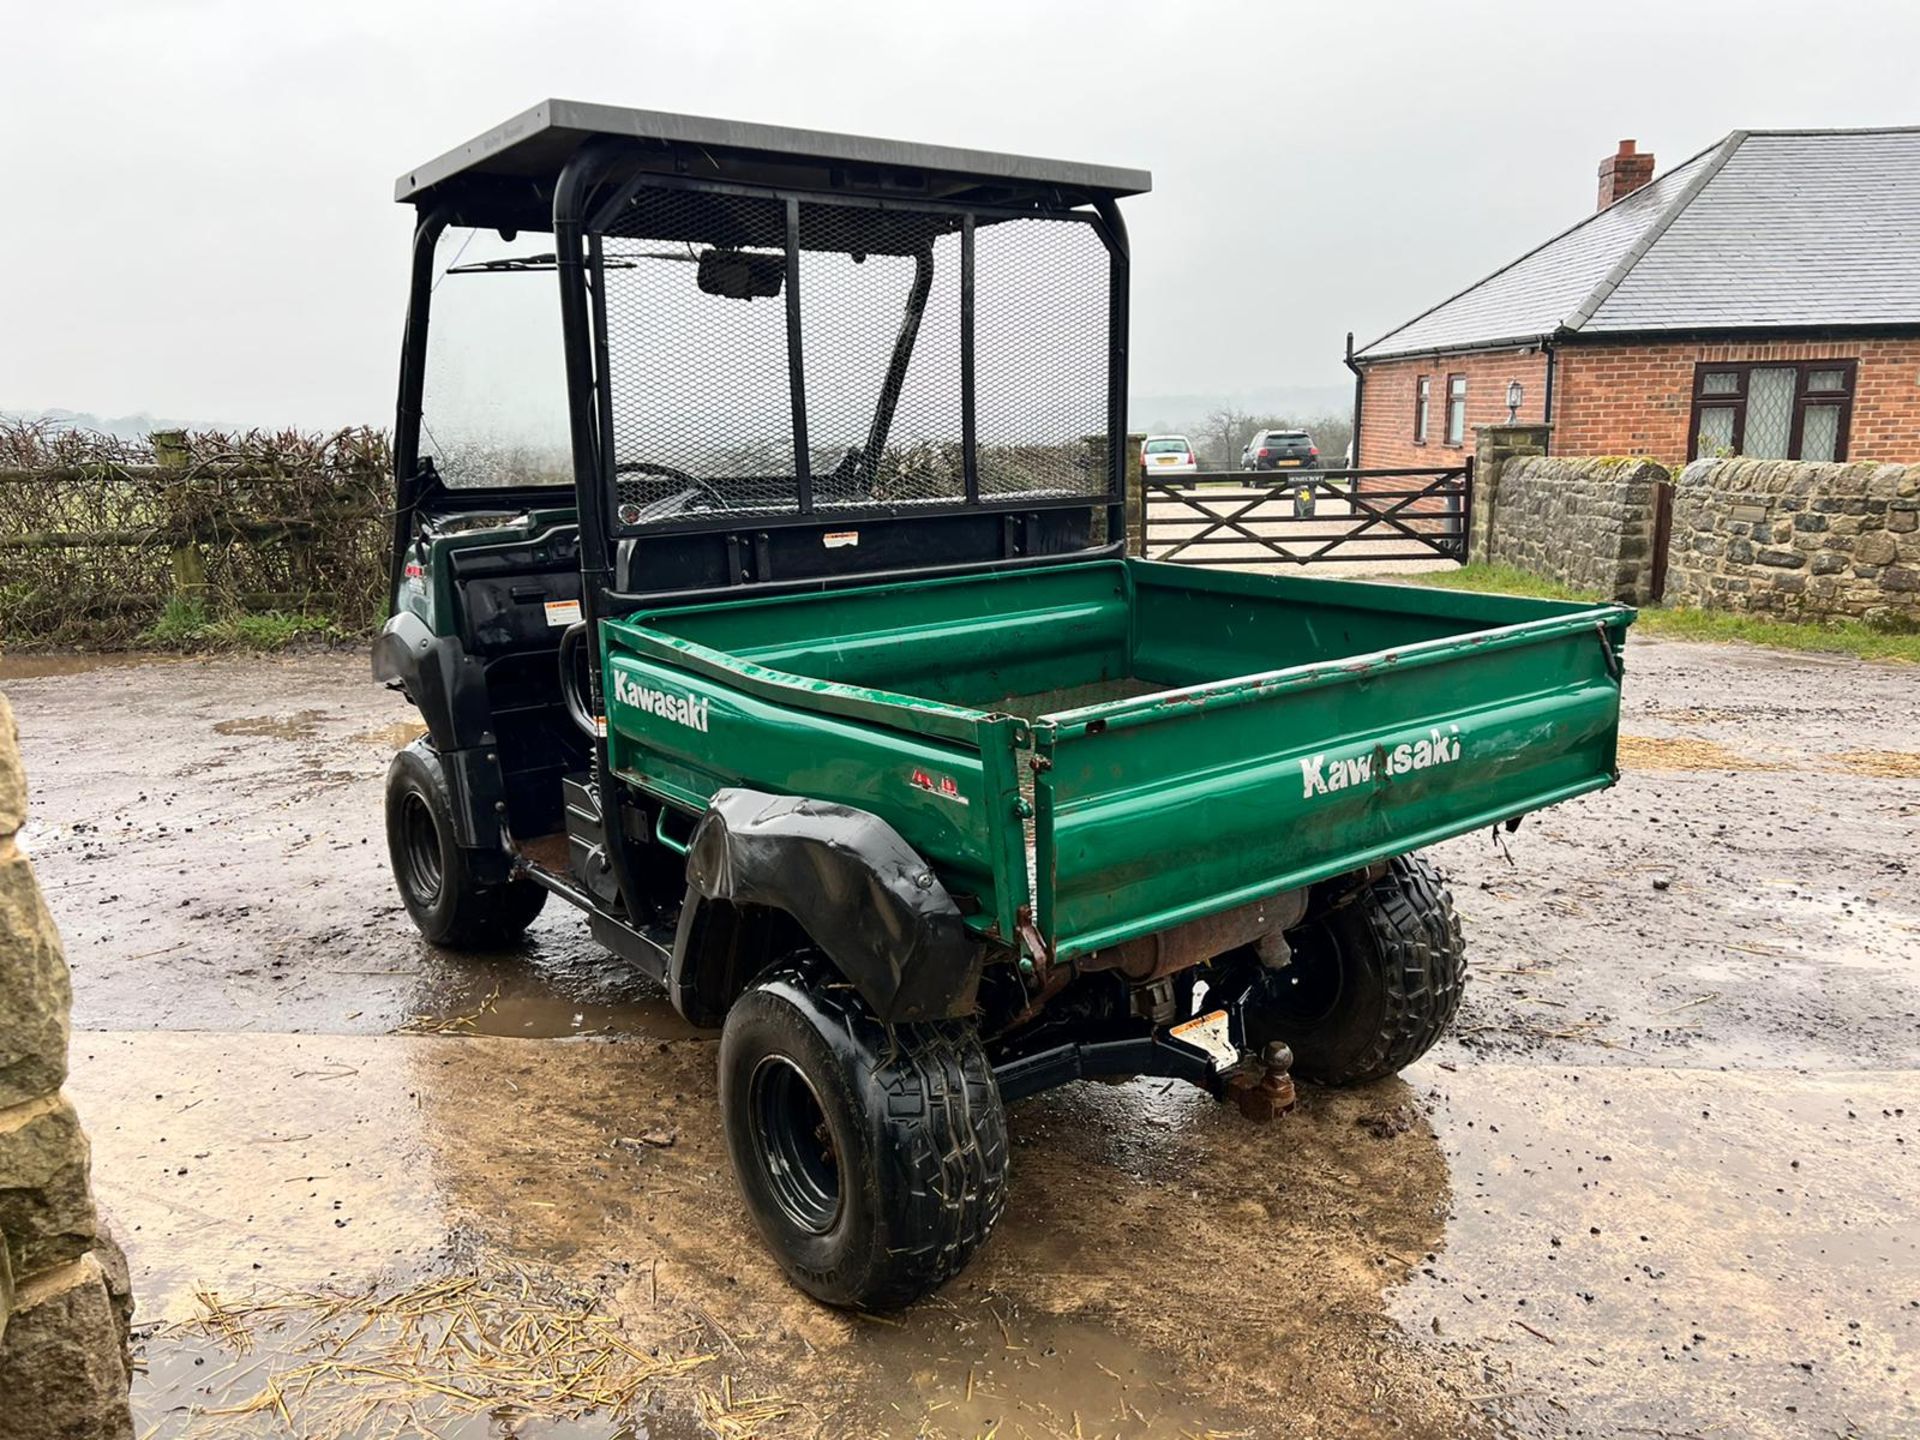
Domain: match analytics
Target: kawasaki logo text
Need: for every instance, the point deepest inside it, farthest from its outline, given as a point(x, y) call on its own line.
point(1319, 775)
point(681, 709)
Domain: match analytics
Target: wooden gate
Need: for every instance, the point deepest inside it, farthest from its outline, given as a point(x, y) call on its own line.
point(1308, 517)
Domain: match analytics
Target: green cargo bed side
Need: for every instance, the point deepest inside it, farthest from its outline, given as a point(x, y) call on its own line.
point(1250, 732)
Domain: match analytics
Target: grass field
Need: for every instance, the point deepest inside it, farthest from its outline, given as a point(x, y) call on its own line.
point(1847, 637)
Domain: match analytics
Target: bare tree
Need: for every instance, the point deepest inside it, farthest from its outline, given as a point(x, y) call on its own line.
point(1219, 438)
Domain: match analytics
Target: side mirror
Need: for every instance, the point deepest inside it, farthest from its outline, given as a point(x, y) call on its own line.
point(741, 274)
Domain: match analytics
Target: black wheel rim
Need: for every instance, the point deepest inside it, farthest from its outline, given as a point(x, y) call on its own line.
point(1308, 991)
point(794, 1144)
point(421, 838)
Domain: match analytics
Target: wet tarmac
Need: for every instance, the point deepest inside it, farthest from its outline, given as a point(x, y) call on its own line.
point(1661, 1181)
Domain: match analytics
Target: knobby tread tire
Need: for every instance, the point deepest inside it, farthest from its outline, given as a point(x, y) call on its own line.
point(491, 916)
point(936, 1142)
point(469, 913)
point(1422, 959)
point(1403, 960)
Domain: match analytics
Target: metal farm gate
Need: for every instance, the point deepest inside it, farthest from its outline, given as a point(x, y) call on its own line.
point(1308, 517)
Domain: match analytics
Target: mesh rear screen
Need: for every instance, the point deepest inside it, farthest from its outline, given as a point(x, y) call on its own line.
point(696, 324)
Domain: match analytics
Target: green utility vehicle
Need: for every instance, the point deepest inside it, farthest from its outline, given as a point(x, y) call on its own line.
point(767, 598)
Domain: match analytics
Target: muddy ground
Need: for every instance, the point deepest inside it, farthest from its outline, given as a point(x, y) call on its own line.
point(1661, 1181)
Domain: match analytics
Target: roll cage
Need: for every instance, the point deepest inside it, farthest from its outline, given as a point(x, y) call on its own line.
point(1034, 473)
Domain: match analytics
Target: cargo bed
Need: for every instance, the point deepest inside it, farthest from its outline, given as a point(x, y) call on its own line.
point(1190, 741)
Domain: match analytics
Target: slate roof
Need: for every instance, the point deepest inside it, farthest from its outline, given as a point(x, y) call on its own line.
point(1768, 229)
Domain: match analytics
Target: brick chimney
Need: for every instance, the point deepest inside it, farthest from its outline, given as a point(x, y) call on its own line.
point(1623, 173)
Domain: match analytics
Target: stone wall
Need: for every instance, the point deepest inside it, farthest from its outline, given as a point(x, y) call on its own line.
point(64, 1300)
point(1588, 524)
point(1794, 539)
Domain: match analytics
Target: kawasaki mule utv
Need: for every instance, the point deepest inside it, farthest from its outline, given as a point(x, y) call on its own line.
point(767, 598)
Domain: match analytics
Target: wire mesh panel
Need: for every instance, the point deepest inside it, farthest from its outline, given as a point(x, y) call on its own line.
point(735, 391)
point(880, 290)
point(696, 340)
point(1040, 358)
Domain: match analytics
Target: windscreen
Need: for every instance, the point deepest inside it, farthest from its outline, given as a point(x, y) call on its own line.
point(747, 377)
point(494, 403)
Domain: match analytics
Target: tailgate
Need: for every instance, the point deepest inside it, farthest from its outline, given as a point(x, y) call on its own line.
point(1154, 811)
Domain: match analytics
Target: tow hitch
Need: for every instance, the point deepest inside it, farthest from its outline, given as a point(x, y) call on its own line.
point(1266, 1093)
point(1199, 1051)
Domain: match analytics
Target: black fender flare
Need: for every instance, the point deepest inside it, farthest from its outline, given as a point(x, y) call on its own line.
point(863, 896)
point(449, 689)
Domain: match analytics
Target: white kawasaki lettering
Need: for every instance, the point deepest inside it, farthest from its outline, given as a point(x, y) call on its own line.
point(1321, 776)
point(681, 709)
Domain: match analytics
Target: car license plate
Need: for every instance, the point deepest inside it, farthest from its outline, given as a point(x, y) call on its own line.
point(1209, 1033)
point(1286, 462)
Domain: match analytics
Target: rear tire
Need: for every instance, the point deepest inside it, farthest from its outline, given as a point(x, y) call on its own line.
point(873, 1158)
point(1373, 983)
point(446, 887)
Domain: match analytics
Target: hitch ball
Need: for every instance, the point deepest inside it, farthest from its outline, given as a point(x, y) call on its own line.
point(1270, 1093)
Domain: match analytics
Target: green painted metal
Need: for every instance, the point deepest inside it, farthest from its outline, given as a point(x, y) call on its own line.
point(682, 723)
point(1290, 729)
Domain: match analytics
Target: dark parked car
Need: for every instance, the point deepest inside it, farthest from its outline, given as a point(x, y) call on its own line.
point(1280, 450)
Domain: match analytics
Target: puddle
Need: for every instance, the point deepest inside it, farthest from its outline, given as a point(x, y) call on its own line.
point(545, 991)
point(396, 736)
point(41, 667)
point(535, 1015)
point(962, 1372)
point(298, 725)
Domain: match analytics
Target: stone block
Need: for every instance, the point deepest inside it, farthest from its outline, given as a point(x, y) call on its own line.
point(1900, 577)
point(64, 1373)
point(1805, 521)
point(1783, 559)
point(113, 1267)
point(1875, 548)
point(1903, 521)
point(46, 1214)
point(1829, 562)
point(35, 992)
point(13, 774)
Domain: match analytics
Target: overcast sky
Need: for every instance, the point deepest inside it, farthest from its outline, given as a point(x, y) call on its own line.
point(197, 218)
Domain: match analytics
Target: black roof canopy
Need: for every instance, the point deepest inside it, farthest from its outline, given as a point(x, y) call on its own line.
point(515, 164)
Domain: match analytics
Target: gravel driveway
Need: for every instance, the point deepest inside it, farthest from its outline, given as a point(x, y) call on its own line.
point(1663, 1179)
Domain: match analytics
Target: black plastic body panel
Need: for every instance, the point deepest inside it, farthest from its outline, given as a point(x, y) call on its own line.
point(859, 892)
point(847, 547)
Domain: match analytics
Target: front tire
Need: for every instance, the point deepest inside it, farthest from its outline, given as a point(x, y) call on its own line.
point(457, 896)
point(873, 1158)
point(1374, 981)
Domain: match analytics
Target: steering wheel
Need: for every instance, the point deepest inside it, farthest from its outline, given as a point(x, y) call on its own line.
point(669, 472)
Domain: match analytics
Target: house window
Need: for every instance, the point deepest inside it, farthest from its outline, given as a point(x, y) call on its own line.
point(1784, 411)
point(1422, 398)
point(1456, 409)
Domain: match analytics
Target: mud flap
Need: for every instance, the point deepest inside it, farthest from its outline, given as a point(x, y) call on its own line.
point(861, 893)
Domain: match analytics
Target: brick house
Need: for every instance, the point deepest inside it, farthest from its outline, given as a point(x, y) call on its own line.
point(1762, 299)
